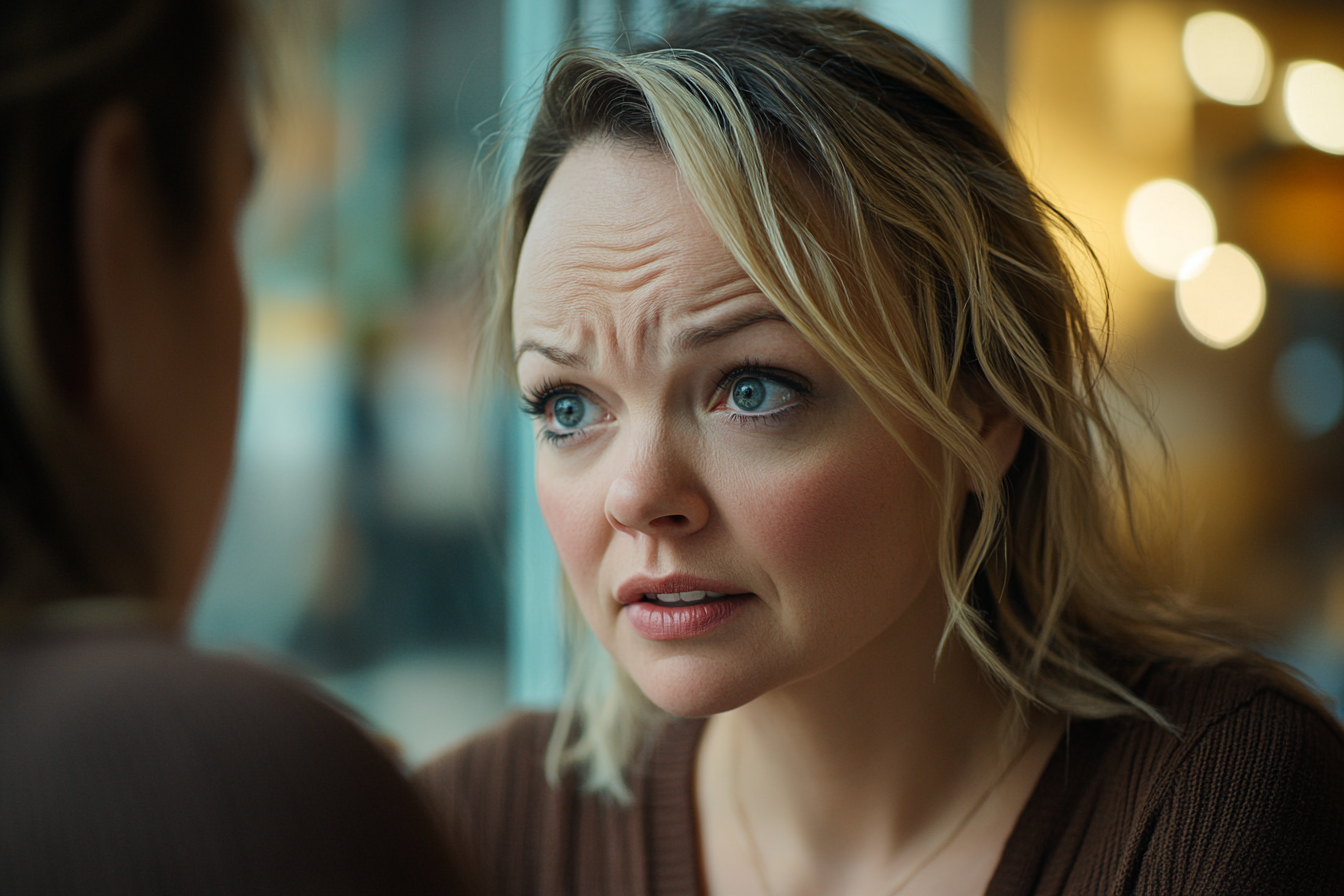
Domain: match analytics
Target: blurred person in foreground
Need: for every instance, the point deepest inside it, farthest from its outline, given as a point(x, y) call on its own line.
point(128, 763)
point(865, 602)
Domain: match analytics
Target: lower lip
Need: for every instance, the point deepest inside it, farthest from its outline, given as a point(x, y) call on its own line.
point(655, 622)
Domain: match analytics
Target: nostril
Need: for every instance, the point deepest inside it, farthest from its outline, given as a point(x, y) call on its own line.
point(656, 505)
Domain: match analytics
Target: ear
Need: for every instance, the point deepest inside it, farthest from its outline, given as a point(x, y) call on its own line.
point(121, 253)
point(119, 250)
point(64, 398)
point(999, 429)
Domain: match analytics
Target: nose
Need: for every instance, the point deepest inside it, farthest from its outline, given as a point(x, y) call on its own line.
point(657, 491)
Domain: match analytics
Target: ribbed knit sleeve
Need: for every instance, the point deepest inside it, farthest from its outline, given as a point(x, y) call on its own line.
point(516, 835)
point(1254, 804)
point(496, 810)
point(1247, 798)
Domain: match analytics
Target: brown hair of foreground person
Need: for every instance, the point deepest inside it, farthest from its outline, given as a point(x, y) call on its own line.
point(128, 763)
point(149, 76)
point(866, 191)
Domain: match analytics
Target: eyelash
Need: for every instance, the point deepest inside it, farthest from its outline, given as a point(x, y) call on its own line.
point(535, 401)
point(753, 367)
point(534, 405)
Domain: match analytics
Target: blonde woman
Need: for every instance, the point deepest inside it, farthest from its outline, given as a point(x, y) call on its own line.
point(823, 447)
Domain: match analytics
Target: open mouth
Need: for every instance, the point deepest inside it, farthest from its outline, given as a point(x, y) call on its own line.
point(682, 598)
point(671, 616)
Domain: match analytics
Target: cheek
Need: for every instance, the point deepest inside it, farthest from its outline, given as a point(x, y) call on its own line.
point(844, 529)
point(229, 314)
point(220, 311)
point(574, 515)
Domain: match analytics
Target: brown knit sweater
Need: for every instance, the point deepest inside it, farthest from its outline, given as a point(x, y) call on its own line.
point(131, 765)
point(1249, 800)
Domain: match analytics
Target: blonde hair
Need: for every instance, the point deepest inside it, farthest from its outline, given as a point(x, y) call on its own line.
point(932, 268)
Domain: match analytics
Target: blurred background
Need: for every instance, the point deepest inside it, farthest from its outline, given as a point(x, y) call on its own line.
point(383, 536)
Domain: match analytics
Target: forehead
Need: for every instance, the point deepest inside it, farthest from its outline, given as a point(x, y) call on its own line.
point(618, 241)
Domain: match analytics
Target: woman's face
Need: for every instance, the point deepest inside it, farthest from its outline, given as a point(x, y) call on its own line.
point(691, 443)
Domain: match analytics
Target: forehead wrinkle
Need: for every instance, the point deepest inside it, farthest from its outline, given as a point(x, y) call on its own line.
point(633, 328)
point(639, 326)
point(613, 272)
point(631, 259)
point(585, 333)
point(623, 269)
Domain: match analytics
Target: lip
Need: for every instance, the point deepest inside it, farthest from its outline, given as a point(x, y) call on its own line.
point(655, 622)
point(632, 590)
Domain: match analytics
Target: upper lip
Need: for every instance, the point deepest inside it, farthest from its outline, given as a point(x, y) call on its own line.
point(633, 589)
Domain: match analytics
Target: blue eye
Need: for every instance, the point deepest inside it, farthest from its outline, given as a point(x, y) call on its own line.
point(569, 412)
point(564, 411)
point(757, 395)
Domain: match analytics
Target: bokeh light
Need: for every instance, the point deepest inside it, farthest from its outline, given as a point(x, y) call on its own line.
point(1313, 100)
point(1226, 57)
point(1221, 296)
point(1166, 222)
point(1309, 386)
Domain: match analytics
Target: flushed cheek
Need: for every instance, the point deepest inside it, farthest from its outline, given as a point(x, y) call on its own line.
point(578, 526)
point(845, 536)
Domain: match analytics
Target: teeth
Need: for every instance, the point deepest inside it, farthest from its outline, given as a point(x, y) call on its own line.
point(689, 597)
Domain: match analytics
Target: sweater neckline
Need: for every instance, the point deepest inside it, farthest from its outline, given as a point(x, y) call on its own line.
point(673, 843)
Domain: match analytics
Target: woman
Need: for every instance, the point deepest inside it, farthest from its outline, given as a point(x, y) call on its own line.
point(823, 450)
point(128, 764)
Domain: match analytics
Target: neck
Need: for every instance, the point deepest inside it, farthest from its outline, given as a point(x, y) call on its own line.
point(865, 765)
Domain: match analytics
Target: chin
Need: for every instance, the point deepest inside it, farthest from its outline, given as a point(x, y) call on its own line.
point(695, 686)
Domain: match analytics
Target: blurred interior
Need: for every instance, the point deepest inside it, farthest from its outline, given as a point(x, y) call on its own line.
point(1242, 358)
point(368, 541)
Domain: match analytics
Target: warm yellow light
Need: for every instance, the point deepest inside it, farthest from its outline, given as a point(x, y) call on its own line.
point(1221, 296)
point(1313, 99)
point(1167, 221)
point(1146, 95)
point(1226, 57)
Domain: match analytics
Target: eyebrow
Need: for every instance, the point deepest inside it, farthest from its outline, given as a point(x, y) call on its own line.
point(551, 353)
point(694, 338)
point(698, 337)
